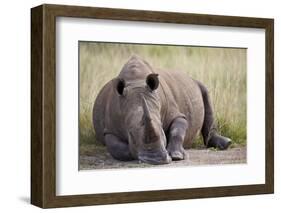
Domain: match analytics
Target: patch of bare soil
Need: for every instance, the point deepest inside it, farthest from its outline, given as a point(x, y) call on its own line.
point(97, 157)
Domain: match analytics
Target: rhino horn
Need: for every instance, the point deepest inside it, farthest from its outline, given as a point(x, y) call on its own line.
point(146, 113)
point(150, 130)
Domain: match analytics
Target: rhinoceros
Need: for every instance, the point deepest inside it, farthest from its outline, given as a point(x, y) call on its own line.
point(153, 115)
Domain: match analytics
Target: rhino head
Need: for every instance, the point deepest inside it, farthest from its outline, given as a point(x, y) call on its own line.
point(140, 107)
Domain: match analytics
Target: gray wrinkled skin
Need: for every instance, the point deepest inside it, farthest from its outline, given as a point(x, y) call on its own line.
point(152, 115)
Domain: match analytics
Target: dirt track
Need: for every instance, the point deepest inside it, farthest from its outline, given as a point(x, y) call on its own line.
point(98, 158)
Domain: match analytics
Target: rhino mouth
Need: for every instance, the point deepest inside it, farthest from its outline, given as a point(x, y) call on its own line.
point(155, 158)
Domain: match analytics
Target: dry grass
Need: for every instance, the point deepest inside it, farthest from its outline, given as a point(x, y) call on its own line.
point(222, 70)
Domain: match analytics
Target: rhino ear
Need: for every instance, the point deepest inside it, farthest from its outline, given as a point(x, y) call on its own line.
point(152, 81)
point(120, 85)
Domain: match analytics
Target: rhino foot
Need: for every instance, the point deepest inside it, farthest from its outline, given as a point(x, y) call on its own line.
point(176, 154)
point(220, 142)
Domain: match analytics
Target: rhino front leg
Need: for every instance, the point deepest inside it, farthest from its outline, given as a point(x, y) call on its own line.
point(177, 133)
point(117, 148)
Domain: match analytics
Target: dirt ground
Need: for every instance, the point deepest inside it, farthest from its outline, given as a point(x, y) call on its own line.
point(96, 157)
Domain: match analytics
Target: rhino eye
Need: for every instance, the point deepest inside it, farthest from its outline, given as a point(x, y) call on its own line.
point(142, 122)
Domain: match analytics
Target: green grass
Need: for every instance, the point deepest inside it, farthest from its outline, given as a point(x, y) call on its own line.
point(222, 70)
